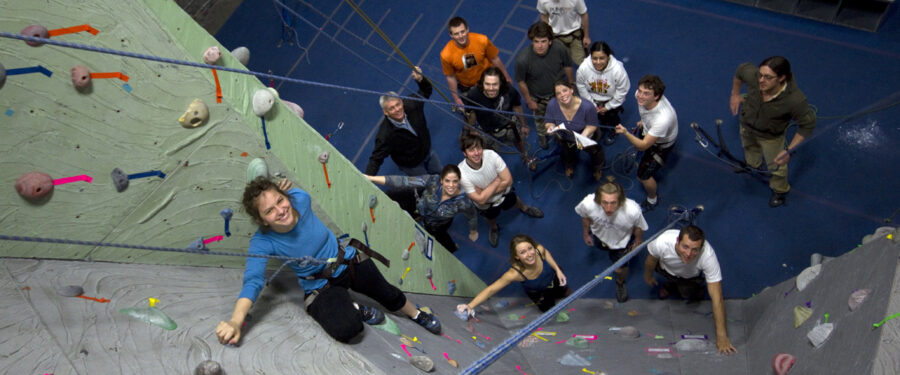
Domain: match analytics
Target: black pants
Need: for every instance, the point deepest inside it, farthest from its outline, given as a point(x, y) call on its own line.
point(569, 154)
point(545, 299)
point(692, 288)
point(333, 308)
point(440, 234)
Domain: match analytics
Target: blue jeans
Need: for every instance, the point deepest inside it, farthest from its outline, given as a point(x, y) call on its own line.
point(431, 165)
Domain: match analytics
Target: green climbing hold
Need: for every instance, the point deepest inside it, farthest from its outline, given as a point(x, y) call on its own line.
point(578, 342)
point(150, 315)
point(562, 317)
point(389, 326)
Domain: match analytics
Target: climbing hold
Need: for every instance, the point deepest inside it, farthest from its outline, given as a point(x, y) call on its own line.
point(323, 157)
point(422, 362)
point(819, 334)
point(501, 304)
point(782, 363)
point(209, 367)
point(34, 186)
point(388, 326)
point(119, 179)
point(633, 313)
point(857, 298)
point(630, 332)
point(36, 31)
point(152, 301)
point(693, 345)
point(609, 305)
point(263, 100)
point(806, 276)
point(801, 313)
point(529, 341)
point(70, 291)
point(242, 54)
point(257, 168)
point(212, 55)
point(572, 359)
point(150, 315)
point(451, 287)
point(578, 342)
point(562, 317)
point(294, 107)
point(81, 76)
point(195, 115)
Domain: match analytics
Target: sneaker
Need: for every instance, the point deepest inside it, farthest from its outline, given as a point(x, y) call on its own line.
point(371, 315)
point(428, 321)
point(647, 206)
point(777, 199)
point(542, 141)
point(494, 237)
point(533, 212)
point(621, 293)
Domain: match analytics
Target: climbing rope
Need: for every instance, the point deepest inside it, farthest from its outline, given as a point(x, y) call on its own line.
point(683, 215)
point(303, 261)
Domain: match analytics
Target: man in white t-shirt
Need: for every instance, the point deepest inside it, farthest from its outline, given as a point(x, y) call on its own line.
point(660, 130)
point(487, 182)
point(680, 257)
point(569, 20)
point(614, 223)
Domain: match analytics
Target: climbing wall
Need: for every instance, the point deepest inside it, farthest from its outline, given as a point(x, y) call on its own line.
point(852, 346)
point(130, 122)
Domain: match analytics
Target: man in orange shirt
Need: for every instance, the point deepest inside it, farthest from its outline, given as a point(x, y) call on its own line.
point(466, 56)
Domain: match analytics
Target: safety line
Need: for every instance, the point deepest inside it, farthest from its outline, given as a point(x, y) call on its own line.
point(304, 261)
point(481, 364)
point(61, 43)
point(384, 36)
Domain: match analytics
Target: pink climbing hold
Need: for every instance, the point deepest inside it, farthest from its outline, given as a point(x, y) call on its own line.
point(34, 186)
point(36, 31)
point(782, 363)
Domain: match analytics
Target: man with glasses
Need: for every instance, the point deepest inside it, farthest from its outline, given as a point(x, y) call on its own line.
point(772, 102)
point(466, 56)
point(679, 257)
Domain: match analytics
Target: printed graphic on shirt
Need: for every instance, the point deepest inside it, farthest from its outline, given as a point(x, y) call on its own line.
point(558, 10)
point(599, 86)
point(469, 61)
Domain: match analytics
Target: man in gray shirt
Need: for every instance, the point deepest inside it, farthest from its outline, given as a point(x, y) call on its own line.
point(537, 68)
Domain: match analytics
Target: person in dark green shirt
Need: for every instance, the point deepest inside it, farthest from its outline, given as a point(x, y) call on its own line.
point(772, 102)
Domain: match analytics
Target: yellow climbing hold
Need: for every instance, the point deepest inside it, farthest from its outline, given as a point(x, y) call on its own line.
point(152, 301)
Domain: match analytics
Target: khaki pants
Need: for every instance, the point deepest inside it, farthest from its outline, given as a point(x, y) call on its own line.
point(756, 148)
point(539, 119)
point(573, 42)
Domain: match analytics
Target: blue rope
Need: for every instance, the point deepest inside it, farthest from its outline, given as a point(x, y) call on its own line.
point(303, 261)
point(481, 364)
point(167, 60)
point(378, 69)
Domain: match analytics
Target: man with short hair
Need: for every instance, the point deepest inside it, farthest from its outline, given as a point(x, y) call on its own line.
point(659, 126)
point(680, 257)
point(494, 93)
point(487, 182)
point(569, 20)
point(403, 134)
point(538, 67)
point(614, 223)
point(466, 56)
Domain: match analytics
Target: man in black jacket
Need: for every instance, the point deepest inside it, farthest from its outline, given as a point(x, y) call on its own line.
point(403, 134)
